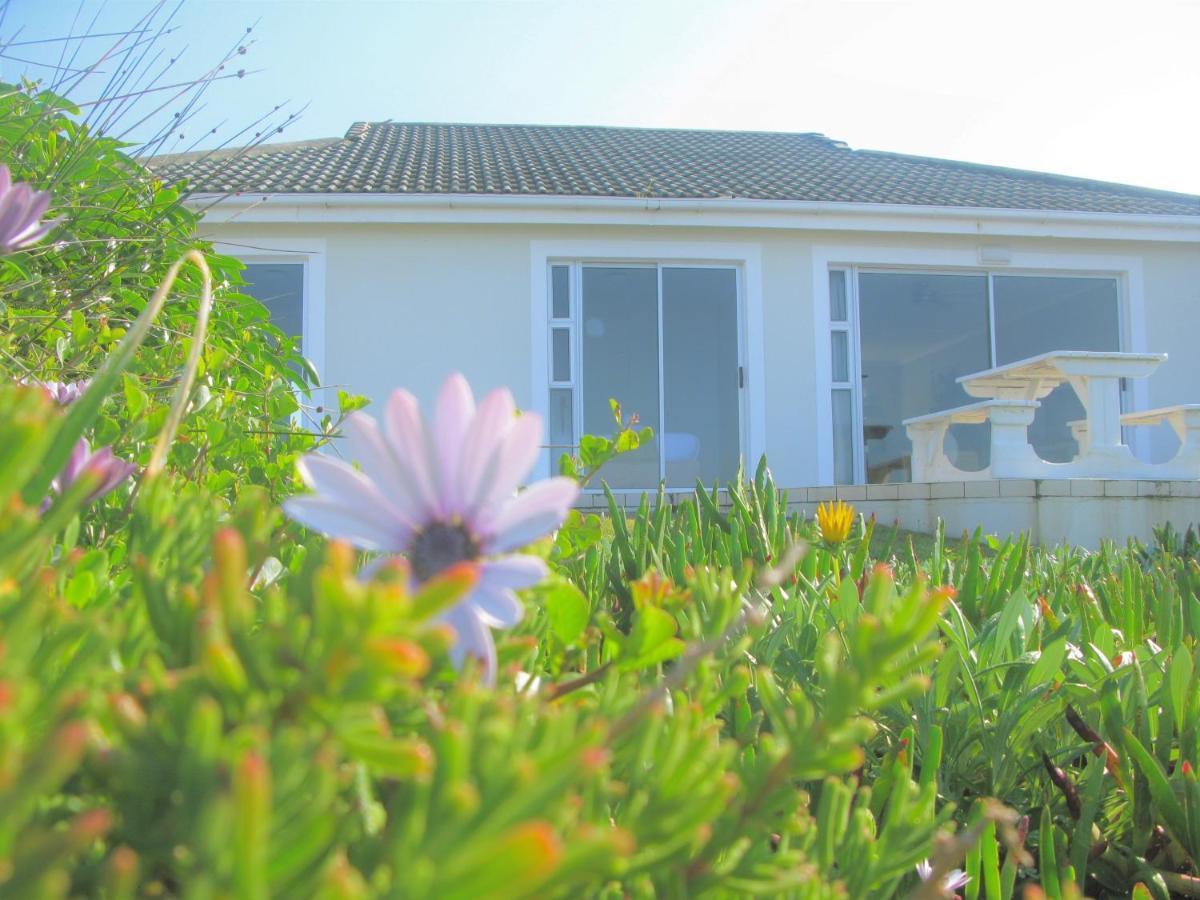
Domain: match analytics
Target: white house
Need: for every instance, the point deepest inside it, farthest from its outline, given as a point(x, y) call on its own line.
point(742, 292)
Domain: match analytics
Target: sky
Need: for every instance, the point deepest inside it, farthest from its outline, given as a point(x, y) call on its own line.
point(1105, 89)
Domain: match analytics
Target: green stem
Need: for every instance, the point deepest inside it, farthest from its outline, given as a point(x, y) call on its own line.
point(159, 457)
point(83, 411)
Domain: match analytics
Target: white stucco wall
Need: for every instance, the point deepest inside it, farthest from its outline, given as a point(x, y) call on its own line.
point(407, 303)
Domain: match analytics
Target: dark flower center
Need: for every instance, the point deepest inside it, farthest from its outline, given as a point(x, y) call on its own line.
point(438, 546)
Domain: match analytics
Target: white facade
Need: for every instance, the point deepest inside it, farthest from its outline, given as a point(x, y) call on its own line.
point(400, 291)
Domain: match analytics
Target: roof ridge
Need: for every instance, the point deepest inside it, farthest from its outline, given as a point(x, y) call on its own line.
point(366, 125)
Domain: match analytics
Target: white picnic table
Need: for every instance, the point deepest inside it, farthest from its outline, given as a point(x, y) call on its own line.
point(1095, 378)
point(1009, 396)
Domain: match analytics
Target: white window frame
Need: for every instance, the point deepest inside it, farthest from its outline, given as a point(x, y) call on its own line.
point(1126, 270)
point(745, 259)
point(853, 382)
point(308, 252)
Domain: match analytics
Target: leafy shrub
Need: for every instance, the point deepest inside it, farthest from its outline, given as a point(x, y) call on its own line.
point(66, 303)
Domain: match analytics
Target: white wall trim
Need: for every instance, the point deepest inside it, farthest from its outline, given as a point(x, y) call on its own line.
point(1127, 270)
point(309, 251)
point(708, 213)
point(747, 257)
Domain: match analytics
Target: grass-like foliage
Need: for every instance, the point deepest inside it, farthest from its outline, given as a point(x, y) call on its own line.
point(205, 701)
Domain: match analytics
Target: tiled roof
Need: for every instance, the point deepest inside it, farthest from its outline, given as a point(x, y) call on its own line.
point(404, 158)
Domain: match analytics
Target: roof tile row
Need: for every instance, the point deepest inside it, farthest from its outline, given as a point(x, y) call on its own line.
point(415, 158)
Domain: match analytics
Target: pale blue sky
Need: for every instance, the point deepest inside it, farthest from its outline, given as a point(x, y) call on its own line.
point(1094, 89)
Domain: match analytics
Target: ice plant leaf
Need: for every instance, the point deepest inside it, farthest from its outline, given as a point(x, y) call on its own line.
point(252, 825)
point(1180, 675)
point(445, 589)
point(1165, 801)
point(652, 640)
point(567, 611)
point(512, 865)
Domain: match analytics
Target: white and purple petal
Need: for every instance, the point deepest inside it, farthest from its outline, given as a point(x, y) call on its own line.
point(480, 455)
point(392, 477)
point(473, 639)
point(532, 514)
point(512, 461)
point(512, 572)
point(338, 481)
point(497, 607)
point(451, 423)
point(405, 432)
point(334, 519)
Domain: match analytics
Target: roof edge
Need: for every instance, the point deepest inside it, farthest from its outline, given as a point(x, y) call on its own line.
point(376, 207)
point(747, 204)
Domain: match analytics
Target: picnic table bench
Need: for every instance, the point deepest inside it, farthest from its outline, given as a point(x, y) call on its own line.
point(1009, 398)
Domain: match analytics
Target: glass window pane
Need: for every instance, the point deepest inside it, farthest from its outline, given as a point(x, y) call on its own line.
point(619, 359)
point(843, 437)
point(1036, 314)
point(701, 436)
point(840, 354)
point(562, 354)
point(562, 422)
point(279, 287)
point(919, 333)
point(560, 287)
point(837, 296)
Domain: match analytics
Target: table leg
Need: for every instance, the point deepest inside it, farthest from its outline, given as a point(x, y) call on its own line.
point(1102, 402)
point(1105, 455)
point(1012, 456)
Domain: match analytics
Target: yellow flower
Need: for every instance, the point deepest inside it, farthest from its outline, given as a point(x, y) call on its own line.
point(834, 520)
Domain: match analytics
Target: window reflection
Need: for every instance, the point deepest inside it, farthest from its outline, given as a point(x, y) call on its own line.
point(280, 288)
point(919, 333)
point(1036, 314)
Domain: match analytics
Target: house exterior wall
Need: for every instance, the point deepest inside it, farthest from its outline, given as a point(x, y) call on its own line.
point(406, 303)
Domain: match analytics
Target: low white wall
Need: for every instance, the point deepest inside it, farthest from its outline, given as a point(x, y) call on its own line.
point(1083, 512)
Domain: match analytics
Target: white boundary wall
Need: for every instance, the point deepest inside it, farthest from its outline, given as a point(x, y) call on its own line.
point(1082, 511)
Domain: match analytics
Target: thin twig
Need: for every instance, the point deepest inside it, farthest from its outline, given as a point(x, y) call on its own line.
point(563, 688)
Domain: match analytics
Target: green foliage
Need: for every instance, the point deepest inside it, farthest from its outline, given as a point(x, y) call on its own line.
point(66, 304)
point(595, 451)
point(204, 704)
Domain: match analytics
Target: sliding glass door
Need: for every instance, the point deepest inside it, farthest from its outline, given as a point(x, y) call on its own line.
point(620, 361)
point(1039, 314)
point(663, 341)
point(701, 421)
point(917, 332)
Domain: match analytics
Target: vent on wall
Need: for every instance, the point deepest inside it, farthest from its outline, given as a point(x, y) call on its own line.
point(994, 256)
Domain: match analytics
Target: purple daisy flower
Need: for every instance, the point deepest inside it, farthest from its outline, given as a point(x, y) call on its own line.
point(442, 493)
point(112, 470)
point(64, 393)
point(21, 209)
